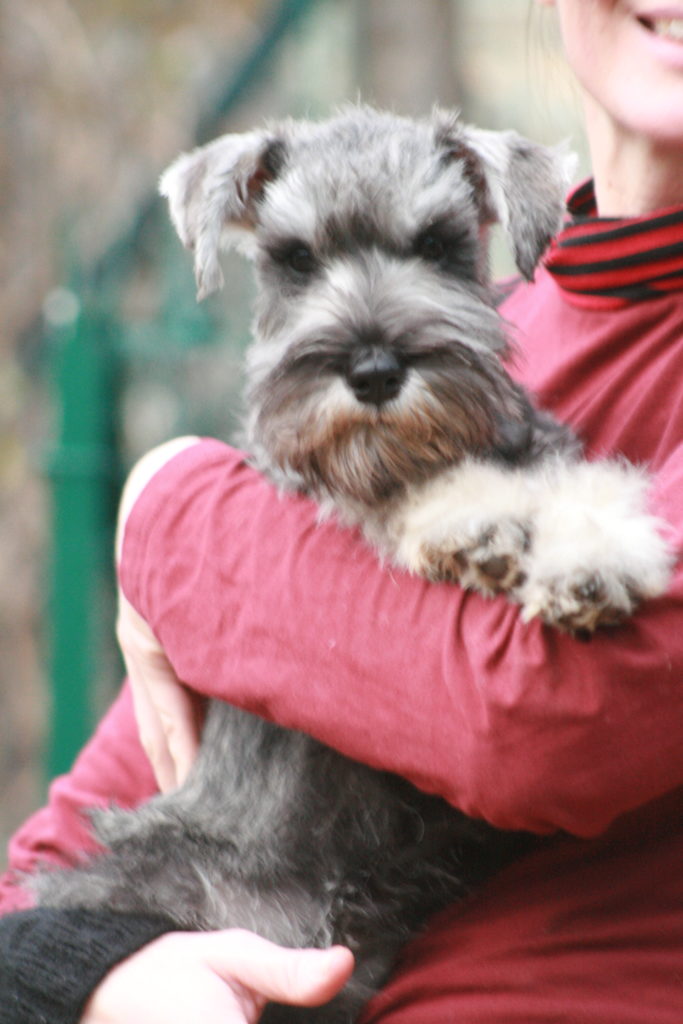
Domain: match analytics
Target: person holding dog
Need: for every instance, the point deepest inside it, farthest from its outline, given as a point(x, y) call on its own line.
point(517, 724)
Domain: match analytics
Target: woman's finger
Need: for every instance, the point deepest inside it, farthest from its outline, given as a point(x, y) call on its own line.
point(301, 977)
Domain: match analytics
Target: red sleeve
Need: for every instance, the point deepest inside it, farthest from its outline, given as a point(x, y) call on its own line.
point(112, 768)
point(256, 602)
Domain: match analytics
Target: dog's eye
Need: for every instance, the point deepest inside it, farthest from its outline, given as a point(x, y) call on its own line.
point(451, 250)
point(432, 247)
point(298, 258)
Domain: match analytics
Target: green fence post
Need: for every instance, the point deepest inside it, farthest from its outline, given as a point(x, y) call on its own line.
point(84, 464)
point(81, 469)
point(283, 18)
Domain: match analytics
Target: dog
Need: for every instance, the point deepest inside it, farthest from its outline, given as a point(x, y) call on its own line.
point(377, 384)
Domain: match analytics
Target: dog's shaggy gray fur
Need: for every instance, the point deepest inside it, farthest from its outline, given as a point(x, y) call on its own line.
point(376, 383)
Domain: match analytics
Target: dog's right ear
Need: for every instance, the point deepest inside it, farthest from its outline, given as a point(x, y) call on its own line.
point(525, 186)
point(213, 193)
point(518, 183)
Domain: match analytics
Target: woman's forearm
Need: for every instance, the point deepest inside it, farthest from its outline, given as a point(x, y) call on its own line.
point(256, 602)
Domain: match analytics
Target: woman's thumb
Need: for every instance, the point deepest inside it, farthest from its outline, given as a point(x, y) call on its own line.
point(302, 977)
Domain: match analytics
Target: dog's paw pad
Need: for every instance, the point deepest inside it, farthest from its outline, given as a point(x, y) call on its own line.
point(489, 558)
point(497, 568)
point(495, 558)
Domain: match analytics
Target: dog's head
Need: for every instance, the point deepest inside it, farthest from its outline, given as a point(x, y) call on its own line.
point(376, 356)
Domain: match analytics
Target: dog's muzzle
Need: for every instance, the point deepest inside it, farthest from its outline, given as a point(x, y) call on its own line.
point(375, 375)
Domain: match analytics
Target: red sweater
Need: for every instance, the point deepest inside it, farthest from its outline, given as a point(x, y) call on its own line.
point(257, 603)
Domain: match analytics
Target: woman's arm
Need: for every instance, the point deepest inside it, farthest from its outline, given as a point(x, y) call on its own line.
point(87, 967)
point(95, 967)
point(168, 715)
point(254, 601)
point(51, 961)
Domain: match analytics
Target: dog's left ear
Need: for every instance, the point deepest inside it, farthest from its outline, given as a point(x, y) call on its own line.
point(213, 193)
point(523, 183)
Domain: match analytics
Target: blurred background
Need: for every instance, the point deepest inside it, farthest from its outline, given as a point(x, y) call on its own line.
point(103, 349)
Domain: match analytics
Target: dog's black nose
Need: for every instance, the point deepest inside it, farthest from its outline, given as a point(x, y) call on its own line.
point(375, 376)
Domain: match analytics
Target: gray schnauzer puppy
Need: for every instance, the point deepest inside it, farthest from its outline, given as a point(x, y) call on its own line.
point(376, 384)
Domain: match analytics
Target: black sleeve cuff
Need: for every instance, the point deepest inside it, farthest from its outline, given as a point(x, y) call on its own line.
point(52, 960)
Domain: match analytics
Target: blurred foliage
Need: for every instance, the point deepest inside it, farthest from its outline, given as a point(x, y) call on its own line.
point(95, 96)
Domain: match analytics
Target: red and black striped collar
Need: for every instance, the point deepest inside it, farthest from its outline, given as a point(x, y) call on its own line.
point(608, 263)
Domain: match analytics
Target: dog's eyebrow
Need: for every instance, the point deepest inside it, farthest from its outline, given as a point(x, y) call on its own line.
point(280, 247)
point(344, 233)
point(445, 223)
point(349, 232)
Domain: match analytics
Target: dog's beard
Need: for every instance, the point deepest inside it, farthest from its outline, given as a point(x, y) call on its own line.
point(307, 422)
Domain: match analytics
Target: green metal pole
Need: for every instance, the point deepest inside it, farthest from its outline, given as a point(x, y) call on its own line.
point(83, 464)
point(80, 469)
point(283, 18)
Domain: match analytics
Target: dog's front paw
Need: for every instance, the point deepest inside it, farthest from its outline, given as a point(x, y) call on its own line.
point(471, 526)
point(597, 552)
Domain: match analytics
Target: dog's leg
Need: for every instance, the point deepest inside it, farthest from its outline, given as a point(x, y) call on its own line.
point(572, 542)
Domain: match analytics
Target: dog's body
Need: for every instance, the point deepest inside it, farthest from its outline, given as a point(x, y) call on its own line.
point(278, 834)
point(376, 384)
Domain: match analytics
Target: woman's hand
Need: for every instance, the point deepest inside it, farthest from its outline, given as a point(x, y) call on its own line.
point(168, 715)
point(215, 977)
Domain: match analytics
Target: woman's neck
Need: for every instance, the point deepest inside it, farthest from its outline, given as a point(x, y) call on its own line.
point(633, 175)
